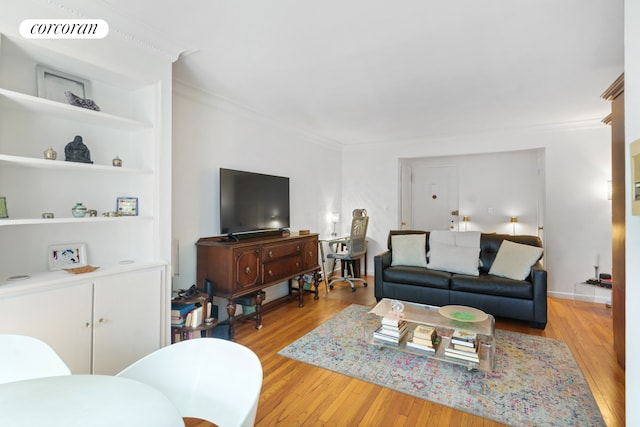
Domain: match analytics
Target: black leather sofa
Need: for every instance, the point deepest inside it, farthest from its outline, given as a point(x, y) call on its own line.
point(499, 296)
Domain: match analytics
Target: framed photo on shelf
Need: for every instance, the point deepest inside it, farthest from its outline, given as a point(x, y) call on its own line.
point(127, 206)
point(52, 84)
point(69, 255)
point(3, 208)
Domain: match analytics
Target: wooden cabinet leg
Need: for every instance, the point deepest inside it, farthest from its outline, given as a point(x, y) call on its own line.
point(316, 283)
point(231, 311)
point(300, 290)
point(259, 299)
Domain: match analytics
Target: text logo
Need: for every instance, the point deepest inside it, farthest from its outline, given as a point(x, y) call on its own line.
point(64, 29)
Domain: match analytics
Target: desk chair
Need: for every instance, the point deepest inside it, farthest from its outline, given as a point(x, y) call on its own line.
point(350, 249)
point(207, 378)
point(24, 358)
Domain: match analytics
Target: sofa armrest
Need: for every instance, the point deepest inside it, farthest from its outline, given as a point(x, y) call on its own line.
point(539, 281)
point(380, 262)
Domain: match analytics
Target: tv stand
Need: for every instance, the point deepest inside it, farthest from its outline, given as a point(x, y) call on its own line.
point(245, 267)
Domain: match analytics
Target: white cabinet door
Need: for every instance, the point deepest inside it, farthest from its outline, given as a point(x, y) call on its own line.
point(127, 319)
point(59, 316)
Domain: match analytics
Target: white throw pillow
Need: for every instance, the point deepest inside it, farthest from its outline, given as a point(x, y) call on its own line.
point(454, 259)
point(409, 250)
point(514, 260)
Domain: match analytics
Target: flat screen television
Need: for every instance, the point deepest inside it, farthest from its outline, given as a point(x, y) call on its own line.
point(252, 202)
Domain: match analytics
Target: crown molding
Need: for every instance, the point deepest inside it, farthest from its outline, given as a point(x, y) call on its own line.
point(120, 25)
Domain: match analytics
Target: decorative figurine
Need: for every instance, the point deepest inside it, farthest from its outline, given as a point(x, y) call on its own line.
point(117, 162)
point(76, 151)
point(79, 210)
point(47, 215)
point(50, 154)
point(76, 101)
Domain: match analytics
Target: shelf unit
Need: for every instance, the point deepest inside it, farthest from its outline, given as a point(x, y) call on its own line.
point(104, 320)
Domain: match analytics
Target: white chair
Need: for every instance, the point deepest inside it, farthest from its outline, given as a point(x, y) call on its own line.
point(208, 378)
point(24, 358)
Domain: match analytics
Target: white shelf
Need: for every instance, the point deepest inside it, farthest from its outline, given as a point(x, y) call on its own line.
point(67, 220)
point(63, 165)
point(38, 105)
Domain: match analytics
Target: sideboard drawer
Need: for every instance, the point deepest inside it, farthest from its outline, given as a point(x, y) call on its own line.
point(281, 269)
point(274, 252)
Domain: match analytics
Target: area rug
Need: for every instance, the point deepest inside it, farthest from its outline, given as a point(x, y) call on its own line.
point(536, 381)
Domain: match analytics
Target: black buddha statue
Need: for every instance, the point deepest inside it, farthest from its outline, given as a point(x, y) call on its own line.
point(76, 151)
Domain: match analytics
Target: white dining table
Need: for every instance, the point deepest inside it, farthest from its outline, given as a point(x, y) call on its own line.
point(87, 401)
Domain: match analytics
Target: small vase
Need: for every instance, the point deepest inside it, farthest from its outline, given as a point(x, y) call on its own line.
point(79, 210)
point(117, 162)
point(50, 154)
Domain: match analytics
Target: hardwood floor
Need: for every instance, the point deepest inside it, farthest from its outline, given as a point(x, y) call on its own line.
point(296, 394)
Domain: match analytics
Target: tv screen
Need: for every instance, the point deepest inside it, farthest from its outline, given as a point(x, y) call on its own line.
point(252, 202)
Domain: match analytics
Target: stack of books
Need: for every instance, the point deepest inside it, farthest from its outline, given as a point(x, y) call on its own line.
point(392, 330)
point(188, 314)
point(463, 346)
point(179, 312)
point(424, 338)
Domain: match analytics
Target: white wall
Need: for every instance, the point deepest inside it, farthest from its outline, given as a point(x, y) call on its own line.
point(209, 133)
point(482, 187)
point(632, 133)
point(577, 167)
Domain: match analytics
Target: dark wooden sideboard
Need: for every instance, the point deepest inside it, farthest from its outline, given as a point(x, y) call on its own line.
point(244, 268)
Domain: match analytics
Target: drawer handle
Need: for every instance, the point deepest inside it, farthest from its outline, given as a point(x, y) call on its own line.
point(270, 254)
point(298, 248)
point(270, 273)
point(297, 264)
point(247, 270)
point(310, 253)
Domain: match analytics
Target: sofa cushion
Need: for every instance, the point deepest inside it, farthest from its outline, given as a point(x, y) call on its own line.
point(417, 276)
point(492, 285)
point(455, 259)
point(514, 260)
point(409, 250)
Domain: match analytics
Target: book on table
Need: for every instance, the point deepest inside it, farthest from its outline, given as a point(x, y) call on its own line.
point(463, 338)
point(428, 347)
point(393, 318)
point(381, 335)
point(180, 309)
point(464, 353)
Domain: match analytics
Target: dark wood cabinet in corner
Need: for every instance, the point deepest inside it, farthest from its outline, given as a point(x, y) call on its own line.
point(242, 269)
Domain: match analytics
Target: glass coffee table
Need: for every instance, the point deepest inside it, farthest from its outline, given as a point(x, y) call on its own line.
point(482, 325)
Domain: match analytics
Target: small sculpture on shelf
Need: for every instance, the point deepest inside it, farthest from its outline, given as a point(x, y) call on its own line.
point(50, 154)
point(117, 162)
point(77, 101)
point(76, 151)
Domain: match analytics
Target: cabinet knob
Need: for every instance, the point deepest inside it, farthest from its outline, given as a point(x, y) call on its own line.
point(101, 320)
point(297, 264)
point(87, 325)
point(270, 273)
point(270, 254)
point(298, 248)
point(247, 270)
point(310, 253)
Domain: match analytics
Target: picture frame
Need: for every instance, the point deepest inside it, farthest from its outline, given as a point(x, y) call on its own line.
point(3, 208)
point(127, 206)
point(69, 255)
point(52, 84)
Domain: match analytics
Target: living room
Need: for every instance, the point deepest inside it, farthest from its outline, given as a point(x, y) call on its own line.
point(210, 132)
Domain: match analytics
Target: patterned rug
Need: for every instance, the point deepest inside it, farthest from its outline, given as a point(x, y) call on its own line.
point(536, 381)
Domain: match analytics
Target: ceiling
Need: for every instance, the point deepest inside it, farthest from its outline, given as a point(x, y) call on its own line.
point(381, 71)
